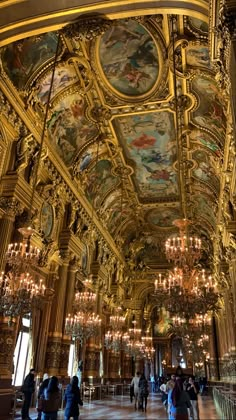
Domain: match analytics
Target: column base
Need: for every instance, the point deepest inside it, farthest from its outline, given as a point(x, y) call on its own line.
point(6, 399)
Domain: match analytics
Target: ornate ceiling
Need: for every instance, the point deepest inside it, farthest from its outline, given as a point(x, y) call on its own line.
point(136, 121)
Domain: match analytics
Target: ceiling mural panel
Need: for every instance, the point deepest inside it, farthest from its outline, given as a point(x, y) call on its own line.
point(69, 129)
point(203, 208)
point(205, 140)
point(163, 217)
point(23, 59)
point(210, 113)
point(197, 55)
point(100, 182)
point(149, 143)
point(129, 58)
point(197, 25)
point(206, 170)
point(64, 77)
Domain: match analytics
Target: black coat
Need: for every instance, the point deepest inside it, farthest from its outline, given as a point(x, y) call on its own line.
point(28, 384)
point(73, 400)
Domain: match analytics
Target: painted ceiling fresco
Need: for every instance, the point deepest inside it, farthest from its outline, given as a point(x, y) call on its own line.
point(135, 120)
point(149, 143)
point(23, 59)
point(129, 58)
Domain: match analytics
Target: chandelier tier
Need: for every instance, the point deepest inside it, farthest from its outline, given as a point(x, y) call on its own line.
point(183, 250)
point(19, 294)
point(21, 255)
point(83, 325)
point(115, 339)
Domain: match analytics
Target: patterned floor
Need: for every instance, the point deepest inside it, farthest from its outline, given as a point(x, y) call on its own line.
point(120, 408)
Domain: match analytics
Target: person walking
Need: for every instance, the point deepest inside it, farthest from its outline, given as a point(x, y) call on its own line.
point(192, 390)
point(143, 392)
point(180, 402)
point(72, 399)
point(135, 384)
point(51, 400)
point(28, 389)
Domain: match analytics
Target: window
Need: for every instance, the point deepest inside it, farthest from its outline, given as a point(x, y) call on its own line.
point(71, 360)
point(22, 354)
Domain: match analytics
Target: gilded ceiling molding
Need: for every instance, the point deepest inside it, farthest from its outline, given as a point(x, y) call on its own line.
point(25, 19)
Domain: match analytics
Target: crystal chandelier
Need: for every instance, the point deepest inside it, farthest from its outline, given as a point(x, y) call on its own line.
point(147, 348)
point(113, 338)
point(135, 345)
point(83, 325)
point(19, 294)
point(161, 290)
point(21, 255)
point(183, 250)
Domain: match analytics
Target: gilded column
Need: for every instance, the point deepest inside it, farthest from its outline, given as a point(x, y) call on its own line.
point(66, 340)
point(39, 362)
point(11, 208)
point(54, 345)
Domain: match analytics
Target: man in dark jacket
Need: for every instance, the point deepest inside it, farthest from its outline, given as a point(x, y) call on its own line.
point(28, 388)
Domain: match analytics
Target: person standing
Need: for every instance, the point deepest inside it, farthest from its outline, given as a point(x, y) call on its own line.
point(180, 402)
point(143, 392)
point(192, 390)
point(28, 389)
point(135, 384)
point(72, 399)
point(170, 409)
point(51, 400)
point(42, 387)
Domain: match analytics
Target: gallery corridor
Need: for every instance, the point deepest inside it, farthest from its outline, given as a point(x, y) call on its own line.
point(119, 407)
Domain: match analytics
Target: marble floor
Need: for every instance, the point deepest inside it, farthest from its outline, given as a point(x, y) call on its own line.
point(120, 408)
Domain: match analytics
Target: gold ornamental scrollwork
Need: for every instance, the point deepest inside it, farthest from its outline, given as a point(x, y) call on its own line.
point(86, 29)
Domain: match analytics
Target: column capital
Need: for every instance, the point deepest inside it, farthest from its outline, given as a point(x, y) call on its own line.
point(10, 206)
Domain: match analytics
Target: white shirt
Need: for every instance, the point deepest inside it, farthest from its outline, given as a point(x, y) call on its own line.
point(135, 382)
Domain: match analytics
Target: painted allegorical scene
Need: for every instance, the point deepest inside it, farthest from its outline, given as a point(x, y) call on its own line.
point(100, 181)
point(64, 76)
point(206, 141)
point(202, 208)
point(197, 55)
point(24, 58)
point(163, 217)
point(210, 112)
point(129, 58)
point(69, 129)
point(198, 24)
point(206, 169)
point(149, 141)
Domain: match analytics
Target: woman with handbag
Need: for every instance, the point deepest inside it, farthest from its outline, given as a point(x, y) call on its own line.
point(73, 399)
